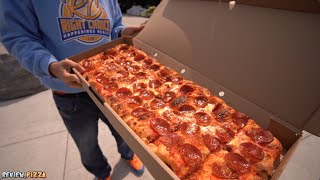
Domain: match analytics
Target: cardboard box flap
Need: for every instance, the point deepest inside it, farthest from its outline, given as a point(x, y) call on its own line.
point(269, 57)
point(309, 6)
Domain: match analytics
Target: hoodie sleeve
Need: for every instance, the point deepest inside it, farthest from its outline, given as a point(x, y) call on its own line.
point(20, 34)
point(117, 19)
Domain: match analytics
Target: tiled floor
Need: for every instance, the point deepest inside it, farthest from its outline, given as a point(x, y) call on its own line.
point(33, 137)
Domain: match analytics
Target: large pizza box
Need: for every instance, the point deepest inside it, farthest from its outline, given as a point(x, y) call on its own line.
point(262, 61)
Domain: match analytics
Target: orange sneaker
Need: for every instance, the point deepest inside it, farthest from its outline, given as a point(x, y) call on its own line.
point(136, 165)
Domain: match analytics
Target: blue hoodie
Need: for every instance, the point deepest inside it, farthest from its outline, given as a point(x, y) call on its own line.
point(39, 32)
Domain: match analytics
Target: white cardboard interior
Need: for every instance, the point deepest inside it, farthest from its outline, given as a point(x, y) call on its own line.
point(270, 57)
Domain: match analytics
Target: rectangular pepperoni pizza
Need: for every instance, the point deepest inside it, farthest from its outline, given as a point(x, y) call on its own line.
point(194, 132)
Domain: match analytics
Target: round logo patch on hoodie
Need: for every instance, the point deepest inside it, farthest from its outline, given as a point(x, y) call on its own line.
point(83, 20)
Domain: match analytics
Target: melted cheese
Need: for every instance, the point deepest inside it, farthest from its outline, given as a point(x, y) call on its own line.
point(241, 137)
point(209, 108)
point(209, 130)
point(166, 108)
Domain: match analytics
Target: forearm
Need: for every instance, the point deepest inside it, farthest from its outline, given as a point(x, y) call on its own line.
point(31, 54)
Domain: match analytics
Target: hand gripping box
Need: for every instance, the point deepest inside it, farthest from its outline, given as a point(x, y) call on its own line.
point(265, 61)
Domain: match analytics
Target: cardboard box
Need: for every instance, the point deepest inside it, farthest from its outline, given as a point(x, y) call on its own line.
point(311, 6)
point(266, 62)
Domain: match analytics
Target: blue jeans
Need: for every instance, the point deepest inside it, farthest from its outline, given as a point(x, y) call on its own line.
point(80, 115)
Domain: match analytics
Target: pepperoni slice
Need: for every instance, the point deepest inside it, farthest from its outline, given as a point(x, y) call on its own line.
point(156, 104)
point(113, 79)
point(178, 101)
point(139, 57)
point(174, 78)
point(168, 115)
point(168, 96)
point(240, 119)
point(126, 63)
point(122, 73)
point(186, 108)
point(237, 163)
point(165, 72)
point(170, 140)
point(134, 101)
point(223, 172)
point(124, 47)
point(230, 132)
point(211, 142)
point(201, 101)
point(148, 61)
point(111, 86)
point(98, 74)
point(260, 136)
point(133, 68)
point(225, 135)
point(123, 92)
point(127, 80)
point(186, 89)
point(154, 83)
point(141, 75)
point(191, 156)
point(112, 52)
point(105, 56)
point(139, 86)
point(216, 107)
point(146, 94)
point(203, 119)
point(190, 129)
point(119, 60)
point(112, 67)
point(160, 126)
point(154, 67)
point(131, 53)
point(102, 79)
point(252, 152)
point(141, 113)
point(221, 114)
point(87, 64)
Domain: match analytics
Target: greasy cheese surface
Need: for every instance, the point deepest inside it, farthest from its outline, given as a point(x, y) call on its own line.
point(196, 133)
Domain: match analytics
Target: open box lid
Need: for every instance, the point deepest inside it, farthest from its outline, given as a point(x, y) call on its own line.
point(309, 6)
point(270, 57)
